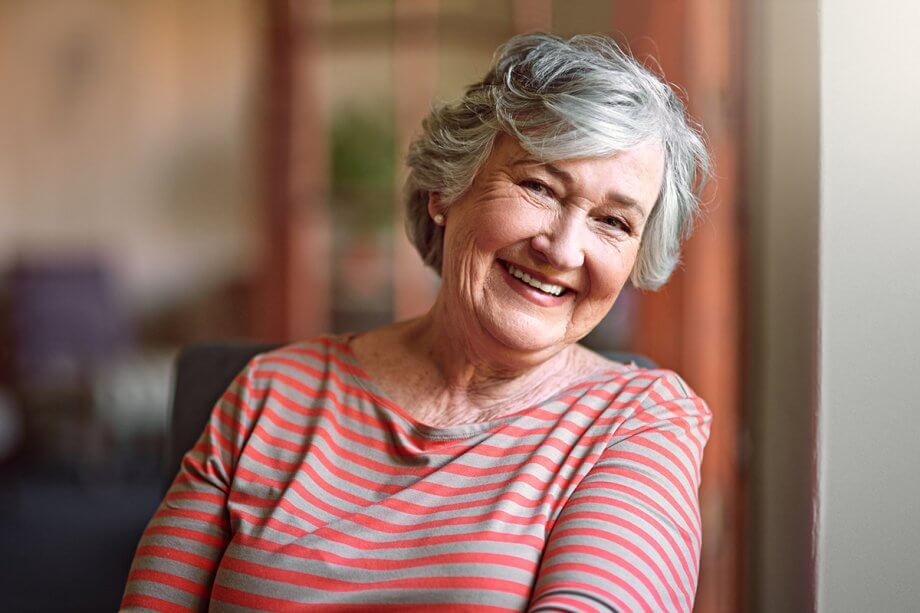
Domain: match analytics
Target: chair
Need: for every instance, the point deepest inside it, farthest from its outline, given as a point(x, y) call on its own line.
point(204, 371)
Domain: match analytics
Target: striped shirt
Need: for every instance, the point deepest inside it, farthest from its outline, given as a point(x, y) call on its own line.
point(309, 490)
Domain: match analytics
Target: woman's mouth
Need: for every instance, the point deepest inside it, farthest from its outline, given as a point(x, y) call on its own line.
point(547, 288)
point(534, 290)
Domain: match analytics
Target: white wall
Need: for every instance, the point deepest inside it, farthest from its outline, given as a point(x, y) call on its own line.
point(834, 181)
point(868, 554)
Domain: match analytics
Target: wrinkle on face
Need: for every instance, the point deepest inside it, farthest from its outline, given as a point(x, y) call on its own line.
point(584, 230)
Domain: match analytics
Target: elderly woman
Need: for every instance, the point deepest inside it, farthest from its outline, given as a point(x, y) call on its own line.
point(476, 458)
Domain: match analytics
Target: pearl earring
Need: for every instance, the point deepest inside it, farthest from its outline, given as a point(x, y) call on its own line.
point(439, 219)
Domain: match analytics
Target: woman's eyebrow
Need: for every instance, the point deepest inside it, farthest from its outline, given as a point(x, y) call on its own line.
point(562, 174)
point(549, 167)
point(526, 161)
point(627, 202)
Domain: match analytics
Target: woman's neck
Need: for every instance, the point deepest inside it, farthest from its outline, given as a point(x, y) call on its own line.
point(430, 367)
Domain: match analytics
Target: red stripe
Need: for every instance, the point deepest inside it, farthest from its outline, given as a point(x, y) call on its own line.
point(564, 603)
point(695, 434)
point(215, 499)
point(577, 586)
point(632, 475)
point(384, 564)
point(168, 579)
point(321, 582)
point(176, 555)
point(153, 603)
point(619, 582)
point(681, 463)
point(259, 602)
point(192, 535)
point(279, 526)
point(201, 516)
point(229, 595)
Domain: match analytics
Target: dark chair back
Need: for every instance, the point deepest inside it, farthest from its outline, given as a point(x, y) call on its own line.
point(205, 370)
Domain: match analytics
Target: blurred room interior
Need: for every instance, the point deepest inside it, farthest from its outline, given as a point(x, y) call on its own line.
point(173, 172)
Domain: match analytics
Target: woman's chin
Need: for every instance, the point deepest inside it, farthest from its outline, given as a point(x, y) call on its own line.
point(525, 337)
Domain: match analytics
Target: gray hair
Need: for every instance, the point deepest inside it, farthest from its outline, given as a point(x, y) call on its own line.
point(562, 99)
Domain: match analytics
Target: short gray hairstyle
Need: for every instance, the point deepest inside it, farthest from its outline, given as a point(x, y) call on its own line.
point(562, 99)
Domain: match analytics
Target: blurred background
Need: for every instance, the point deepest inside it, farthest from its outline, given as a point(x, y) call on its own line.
point(179, 171)
point(174, 171)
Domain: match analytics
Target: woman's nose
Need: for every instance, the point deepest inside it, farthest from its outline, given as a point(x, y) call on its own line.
point(561, 245)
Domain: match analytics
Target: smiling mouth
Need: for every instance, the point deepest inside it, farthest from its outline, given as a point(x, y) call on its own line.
point(547, 288)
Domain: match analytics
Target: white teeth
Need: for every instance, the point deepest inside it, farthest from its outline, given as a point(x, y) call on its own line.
point(549, 288)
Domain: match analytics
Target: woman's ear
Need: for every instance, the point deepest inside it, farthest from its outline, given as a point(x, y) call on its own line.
point(434, 203)
point(435, 209)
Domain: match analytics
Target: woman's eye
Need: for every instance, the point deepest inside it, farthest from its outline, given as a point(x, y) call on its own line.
point(536, 187)
point(615, 222)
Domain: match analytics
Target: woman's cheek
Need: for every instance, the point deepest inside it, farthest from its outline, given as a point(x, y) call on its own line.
point(608, 271)
point(501, 228)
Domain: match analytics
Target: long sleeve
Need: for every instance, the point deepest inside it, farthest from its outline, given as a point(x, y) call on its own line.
point(628, 539)
point(178, 554)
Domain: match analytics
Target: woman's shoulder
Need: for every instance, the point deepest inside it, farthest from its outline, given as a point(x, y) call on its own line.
point(631, 381)
point(313, 357)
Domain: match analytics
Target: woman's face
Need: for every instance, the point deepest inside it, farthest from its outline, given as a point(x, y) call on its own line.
point(535, 254)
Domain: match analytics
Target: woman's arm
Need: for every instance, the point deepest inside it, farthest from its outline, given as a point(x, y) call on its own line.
point(179, 552)
point(628, 539)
